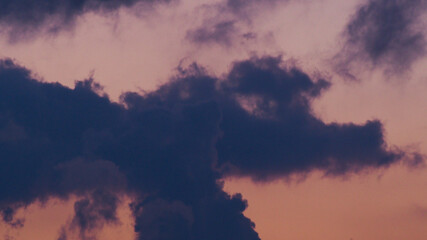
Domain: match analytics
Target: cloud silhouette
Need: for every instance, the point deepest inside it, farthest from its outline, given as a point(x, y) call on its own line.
point(171, 148)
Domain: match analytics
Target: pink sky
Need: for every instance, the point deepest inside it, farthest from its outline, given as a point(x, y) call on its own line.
point(138, 53)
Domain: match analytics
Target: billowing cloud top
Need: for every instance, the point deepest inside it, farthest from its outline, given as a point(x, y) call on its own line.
point(171, 147)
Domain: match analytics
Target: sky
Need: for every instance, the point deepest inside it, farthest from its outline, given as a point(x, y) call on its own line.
point(213, 119)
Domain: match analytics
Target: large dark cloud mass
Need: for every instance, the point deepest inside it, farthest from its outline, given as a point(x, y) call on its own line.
point(387, 33)
point(170, 148)
point(22, 17)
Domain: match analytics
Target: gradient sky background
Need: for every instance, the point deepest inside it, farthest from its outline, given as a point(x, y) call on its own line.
point(140, 48)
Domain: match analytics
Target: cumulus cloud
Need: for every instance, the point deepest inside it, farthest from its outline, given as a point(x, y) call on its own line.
point(170, 148)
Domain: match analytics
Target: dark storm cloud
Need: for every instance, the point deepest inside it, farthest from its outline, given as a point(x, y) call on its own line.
point(281, 130)
point(166, 153)
point(163, 220)
point(387, 33)
point(20, 17)
point(170, 148)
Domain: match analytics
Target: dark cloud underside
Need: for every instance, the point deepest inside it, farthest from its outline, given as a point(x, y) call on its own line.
point(171, 147)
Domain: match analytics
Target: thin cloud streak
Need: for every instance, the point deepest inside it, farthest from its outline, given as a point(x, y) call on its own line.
point(21, 19)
